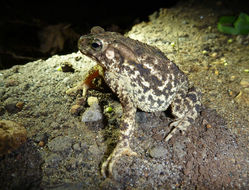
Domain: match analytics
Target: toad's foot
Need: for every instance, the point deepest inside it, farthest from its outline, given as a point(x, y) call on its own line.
point(186, 108)
point(118, 152)
point(75, 90)
point(179, 125)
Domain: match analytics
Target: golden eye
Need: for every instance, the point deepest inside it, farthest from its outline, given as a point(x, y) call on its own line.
point(96, 45)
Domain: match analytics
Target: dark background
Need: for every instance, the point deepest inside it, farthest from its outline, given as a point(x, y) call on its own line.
point(30, 30)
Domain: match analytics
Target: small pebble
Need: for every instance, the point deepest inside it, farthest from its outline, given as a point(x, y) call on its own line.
point(232, 78)
point(244, 83)
point(158, 152)
point(214, 55)
point(20, 105)
point(11, 108)
point(92, 114)
point(75, 109)
point(76, 147)
point(53, 160)
point(204, 52)
point(11, 82)
point(41, 143)
point(141, 117)
point(67, 67)
point(91, 100)
point(243, 97)
point(208, 126)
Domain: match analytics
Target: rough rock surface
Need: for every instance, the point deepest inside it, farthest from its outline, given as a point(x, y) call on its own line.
point(12, 136)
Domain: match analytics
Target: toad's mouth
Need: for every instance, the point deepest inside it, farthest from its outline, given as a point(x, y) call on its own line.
point(88, 54)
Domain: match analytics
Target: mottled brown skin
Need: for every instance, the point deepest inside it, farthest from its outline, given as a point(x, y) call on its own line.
point(142, 77)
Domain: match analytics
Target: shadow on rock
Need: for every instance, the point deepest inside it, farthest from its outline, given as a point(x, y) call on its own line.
point(21, 168)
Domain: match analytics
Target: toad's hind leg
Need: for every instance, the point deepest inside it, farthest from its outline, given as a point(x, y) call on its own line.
point(126, 131)
point(186, 108)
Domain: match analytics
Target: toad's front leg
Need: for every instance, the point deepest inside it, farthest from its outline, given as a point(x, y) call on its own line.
point(86, 84)
point(126, 133)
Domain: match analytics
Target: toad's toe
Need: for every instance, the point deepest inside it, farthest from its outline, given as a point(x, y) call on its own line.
point(107, 166)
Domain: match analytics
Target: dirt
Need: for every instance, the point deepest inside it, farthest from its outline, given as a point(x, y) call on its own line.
point(64, 153)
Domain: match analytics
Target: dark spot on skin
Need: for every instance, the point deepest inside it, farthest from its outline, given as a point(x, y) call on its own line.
point(150, 98)
point(198, 108)
point(123, 137)
point(149, 59)
point(133, 84)
point(187, 104)
point(176, 71)
point(142, 69)
point(192, 97)
point(145, 88)
point(124, 126)
point(177, 108)
point(177, 101)
point(175, 83)
point(129, 69)
point(141, 98)
point(183, 79)
point(169, 86)
point(159, 102)
point(190, 120)
point(155, 80)
point(125, 143)
point(139, 51)
point(170, 78)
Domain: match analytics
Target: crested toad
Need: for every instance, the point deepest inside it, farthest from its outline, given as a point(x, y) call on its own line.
point(142, 77)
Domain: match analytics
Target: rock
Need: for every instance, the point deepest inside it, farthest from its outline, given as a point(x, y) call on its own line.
point(118, 110)
point(93, 113)
point(158, 152)
point(244, 83)
point(243, 97)
point(77, 147)
point(11, 82)
point(75, 109)
point(53, 160)
point(2, 110)
point(60, 144)
point(41, 143)
point(12, 135)
point(11, 105)
point(11, 108)
point(141, 117)
point(20, 105)
point(2, 91)
point(91, 100)
point(179, 148)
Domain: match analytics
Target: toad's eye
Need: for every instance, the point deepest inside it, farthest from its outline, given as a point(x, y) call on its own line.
point(96, 45)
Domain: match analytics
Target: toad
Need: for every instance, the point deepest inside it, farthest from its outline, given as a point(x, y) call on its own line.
point(142, 77)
